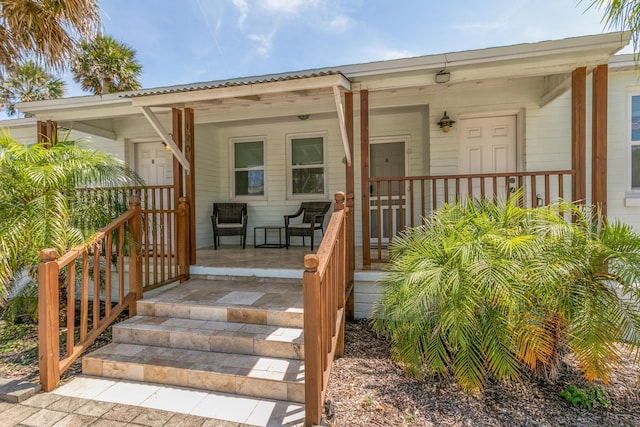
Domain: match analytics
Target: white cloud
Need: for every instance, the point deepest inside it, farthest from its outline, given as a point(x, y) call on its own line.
point(340, 24)
point(288, 6)
point(262, 42)
point(243, 8)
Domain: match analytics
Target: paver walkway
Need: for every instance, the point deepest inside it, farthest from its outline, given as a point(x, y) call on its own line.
point(96, 402)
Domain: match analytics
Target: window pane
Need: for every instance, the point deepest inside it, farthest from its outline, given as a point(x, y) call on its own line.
point(248, 154)
point(635, 167)
point(308, 181)
point(249, 183)
point(635, 118)
point(307, 151)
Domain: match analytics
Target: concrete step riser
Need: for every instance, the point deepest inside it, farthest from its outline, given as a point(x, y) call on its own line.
point(223, 314)
point(224, 342)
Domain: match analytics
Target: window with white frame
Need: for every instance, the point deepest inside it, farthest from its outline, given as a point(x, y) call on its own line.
point(306, 165)
point(634, 143)
point(248, 167)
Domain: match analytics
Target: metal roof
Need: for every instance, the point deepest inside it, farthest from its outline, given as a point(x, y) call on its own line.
point(246, 81)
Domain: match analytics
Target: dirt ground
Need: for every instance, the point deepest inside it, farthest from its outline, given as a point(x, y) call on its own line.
point(367, 389)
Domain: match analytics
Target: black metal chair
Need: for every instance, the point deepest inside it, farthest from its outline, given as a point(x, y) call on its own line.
point(229, 219)
point(312, 219)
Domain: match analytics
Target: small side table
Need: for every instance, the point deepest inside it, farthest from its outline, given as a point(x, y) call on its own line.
point(265, 229)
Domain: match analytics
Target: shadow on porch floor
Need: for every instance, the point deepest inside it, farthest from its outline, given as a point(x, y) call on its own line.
point(234, 257)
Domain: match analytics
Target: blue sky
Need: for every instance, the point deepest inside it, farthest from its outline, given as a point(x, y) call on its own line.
point(186, 41)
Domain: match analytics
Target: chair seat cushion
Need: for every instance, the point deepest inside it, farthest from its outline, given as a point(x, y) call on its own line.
point(230, 225)
point(316, 225)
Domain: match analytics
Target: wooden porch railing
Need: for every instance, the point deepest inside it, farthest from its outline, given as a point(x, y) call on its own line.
point(165, 228)
point(395, 203)
point(103, 263)
point(326, 289)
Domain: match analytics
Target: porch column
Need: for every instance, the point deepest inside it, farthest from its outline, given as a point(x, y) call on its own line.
point(599, 138)
point(189, 143)
point(578, 134)
point(364, 178)
point(178, 171)
point(47, 132)
point(350, 187)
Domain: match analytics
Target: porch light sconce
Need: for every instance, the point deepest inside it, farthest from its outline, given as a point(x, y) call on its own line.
point(445, 123)
point(443, 76)
point(303, 116)
point(166, 146)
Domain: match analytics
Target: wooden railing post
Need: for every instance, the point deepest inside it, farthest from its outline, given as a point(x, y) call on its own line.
point(48, 319)
point(313, 375)
point(351, 259)
point(135, 257)
point(184, 245)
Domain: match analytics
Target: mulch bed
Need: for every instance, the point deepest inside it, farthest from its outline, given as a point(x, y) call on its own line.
point(19, 350)
point(367, 388)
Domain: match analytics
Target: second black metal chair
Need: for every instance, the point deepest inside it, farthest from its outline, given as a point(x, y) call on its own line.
point(312, 219)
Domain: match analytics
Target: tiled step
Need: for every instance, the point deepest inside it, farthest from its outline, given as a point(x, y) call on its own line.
point(211, 335)
point(276, 304)
point(248, 375)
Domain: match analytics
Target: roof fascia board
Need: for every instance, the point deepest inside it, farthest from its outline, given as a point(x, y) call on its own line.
point(308, 83)
point(605, 44)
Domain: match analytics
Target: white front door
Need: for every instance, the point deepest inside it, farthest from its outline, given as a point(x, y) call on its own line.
point(487, 145)
point(153, 163)
point(386, 159)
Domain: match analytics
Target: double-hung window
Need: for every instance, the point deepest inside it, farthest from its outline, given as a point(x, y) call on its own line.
point(248, 167)
point(634, 144)
point(307, 171)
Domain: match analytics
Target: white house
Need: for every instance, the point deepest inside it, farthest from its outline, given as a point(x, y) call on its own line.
point(559, 118)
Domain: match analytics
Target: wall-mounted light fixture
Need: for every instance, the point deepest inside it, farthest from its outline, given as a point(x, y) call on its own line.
point(446, 123)
point(166, 147)
point(443, 76)
point(303, 116)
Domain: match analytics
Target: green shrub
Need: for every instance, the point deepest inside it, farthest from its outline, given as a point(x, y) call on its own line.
point(484, 288)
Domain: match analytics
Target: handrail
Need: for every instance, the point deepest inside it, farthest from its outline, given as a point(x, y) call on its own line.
point(58, 273)
point(165, 258)
point(326, 289)
point(395, 203)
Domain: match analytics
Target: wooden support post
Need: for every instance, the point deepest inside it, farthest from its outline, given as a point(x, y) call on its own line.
point(48, 319)
point(183, 231)
point(599, 138)
point(178, 170)
point(578, 134)
point(47, 133)
point(313, 375)
point(135, 252)
point(189, 148)
point(364, 178)
point(350, 204)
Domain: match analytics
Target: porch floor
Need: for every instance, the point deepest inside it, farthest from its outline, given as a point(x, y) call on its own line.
point(266, 260)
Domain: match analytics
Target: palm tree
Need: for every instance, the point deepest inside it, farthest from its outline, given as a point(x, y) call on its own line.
point(104, 65)
point(44, 30)
point(37, 211)
point(622, 15)
point(29, 82)
point(484, 289)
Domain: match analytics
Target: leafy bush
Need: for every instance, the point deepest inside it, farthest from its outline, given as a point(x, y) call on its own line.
point(577, 396)
point(484, 288)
